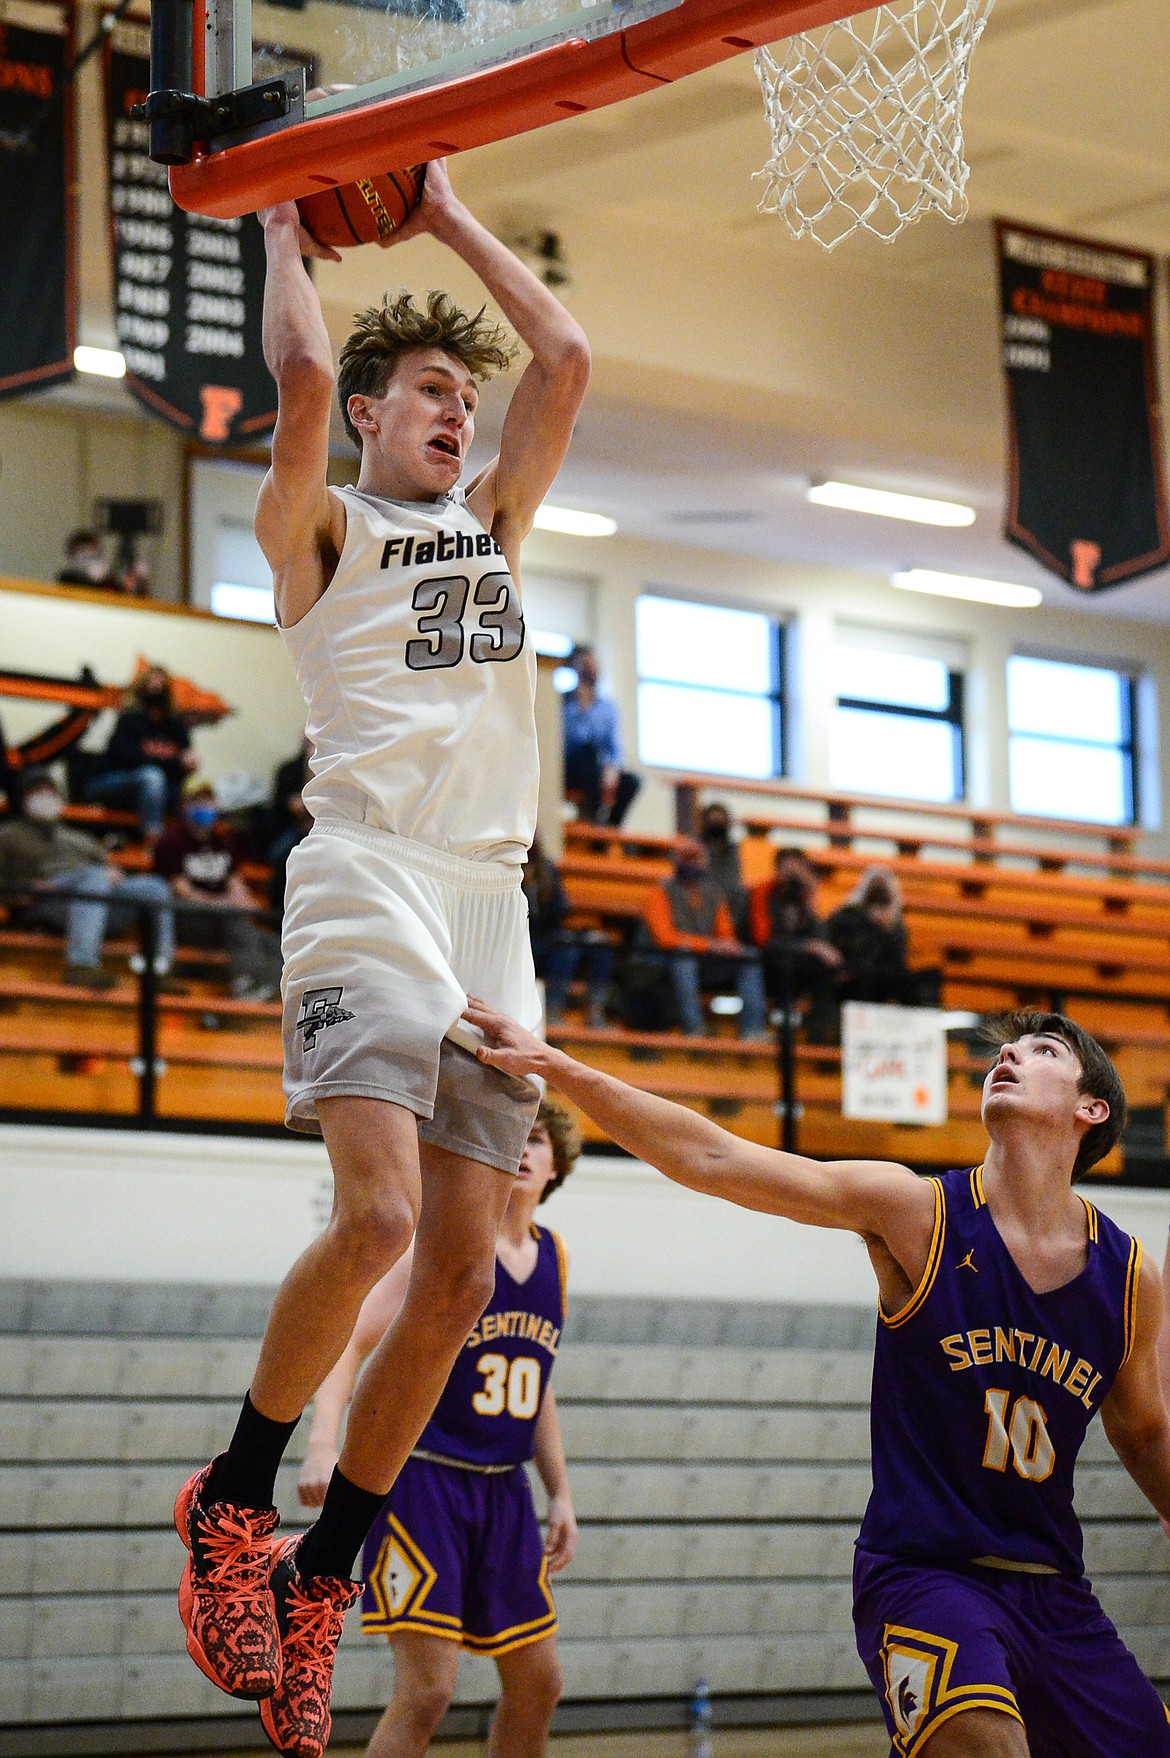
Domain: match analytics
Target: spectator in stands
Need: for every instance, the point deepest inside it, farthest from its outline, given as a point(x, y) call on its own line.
point(148, 757)
point(290, 821)
point(870, 934)
point(800, 961)
point(199, 856)
point(86, 565)
point(688, 931)
point(40, 854)
point(559, 952)
point(593, 750)
point(723, 864)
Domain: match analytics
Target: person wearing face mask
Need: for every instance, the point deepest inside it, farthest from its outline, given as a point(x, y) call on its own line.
point(593, 749)
point(86, 564)
point(40, 854)
point(688, 930)
point(148, 757)
point(200, 857)
point(870, 934)
point(723, 864)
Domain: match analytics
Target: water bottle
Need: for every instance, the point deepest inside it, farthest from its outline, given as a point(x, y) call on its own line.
point(701, 1746)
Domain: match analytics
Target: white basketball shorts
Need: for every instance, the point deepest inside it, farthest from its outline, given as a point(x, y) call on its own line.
point(383, 941)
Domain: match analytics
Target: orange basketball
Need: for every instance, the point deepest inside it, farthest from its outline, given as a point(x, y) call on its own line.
point(369, 211)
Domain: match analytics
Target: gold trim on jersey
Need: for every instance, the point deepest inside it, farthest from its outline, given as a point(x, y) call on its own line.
point(919, 1695)
point(1132, 1278)
point(933, 1259)
point(563, 1271)
point(1016, 1568)
point(1091, 1217)
point(518, 1635)
point(978, 1196)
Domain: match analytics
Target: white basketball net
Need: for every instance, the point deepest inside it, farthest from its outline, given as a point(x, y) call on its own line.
point(867, 120)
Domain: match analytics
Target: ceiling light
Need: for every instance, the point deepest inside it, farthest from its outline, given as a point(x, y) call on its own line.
point(573, 523)
point(889, 506)
point(105, 362)
point(964, 586)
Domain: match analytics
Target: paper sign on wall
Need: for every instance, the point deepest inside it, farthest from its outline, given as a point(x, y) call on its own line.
point(894, 1063)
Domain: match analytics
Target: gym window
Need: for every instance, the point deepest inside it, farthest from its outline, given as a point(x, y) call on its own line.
point(1071, 741)
point(710, 688)
point(897, 722)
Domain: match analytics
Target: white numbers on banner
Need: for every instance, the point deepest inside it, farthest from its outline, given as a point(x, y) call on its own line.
point(515, 1384)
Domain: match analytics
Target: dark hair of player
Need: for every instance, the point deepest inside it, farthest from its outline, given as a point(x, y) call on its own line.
point(1099, 1079)
point(382, 334)
point(566, 1143)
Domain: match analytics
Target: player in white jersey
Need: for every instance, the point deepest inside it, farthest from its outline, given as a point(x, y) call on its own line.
point(399, 603)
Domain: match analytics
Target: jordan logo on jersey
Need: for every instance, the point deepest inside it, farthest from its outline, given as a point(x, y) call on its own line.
point(968, 1263)
point(320, 1008)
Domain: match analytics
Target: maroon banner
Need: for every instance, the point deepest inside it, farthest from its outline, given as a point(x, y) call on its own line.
point(37, 217)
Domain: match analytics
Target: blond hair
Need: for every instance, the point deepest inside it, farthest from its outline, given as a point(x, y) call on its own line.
point(382, 334)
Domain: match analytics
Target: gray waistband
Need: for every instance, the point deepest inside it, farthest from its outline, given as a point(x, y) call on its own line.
point(461, 1464)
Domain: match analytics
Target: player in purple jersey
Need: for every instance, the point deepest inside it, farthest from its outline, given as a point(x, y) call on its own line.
point(1010, 1311)
point(456, 1557)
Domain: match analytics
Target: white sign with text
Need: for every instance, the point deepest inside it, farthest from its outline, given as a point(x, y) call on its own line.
point(893, 1063)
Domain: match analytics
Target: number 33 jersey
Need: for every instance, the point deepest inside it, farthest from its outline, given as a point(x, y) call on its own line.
point(420, 682)
point(487, 1412)
point(983, 1390)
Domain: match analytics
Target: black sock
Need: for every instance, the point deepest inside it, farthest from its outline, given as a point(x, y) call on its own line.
point(331, 1546)
point(246, 1473)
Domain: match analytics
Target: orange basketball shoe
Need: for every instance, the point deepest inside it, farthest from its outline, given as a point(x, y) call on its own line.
point(225, 1600)
point(296, 1717)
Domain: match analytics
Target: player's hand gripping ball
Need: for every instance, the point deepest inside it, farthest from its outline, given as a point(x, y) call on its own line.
point(370, 211)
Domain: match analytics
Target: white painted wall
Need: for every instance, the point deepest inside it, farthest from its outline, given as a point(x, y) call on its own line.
point(242, 662)
point(124, 1206)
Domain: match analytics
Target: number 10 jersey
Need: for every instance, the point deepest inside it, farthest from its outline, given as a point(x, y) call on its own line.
point(983, 1390)
point(420, 682)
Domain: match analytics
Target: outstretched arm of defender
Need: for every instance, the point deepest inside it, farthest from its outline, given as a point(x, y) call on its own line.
point(1134, 1414)
point(295, 514)
point(882, 1202)
point(539, 423)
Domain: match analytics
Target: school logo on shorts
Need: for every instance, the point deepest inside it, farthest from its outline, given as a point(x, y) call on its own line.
point(320, 1008)
point(908, 1682)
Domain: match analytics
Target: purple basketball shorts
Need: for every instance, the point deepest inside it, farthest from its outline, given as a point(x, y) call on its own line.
point(937, 1641)
point(458, 1554)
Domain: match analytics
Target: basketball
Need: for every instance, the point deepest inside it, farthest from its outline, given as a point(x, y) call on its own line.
point(369, 211)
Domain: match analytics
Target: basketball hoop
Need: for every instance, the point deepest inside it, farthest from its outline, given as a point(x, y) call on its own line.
point(866, 116)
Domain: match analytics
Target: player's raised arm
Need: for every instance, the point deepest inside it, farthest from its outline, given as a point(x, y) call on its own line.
point(299, 526)
point(539, 423)
point(883, 1202)
point(1134, 1414)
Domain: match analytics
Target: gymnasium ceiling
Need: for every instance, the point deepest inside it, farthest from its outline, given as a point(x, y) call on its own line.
point(732, 364)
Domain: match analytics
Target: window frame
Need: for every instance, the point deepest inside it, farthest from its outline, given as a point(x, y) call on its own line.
point(777, 697)
point(1127, 746)
point(953, 715)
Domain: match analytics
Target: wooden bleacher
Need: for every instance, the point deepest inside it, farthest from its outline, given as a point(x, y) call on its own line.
point(1027, 918)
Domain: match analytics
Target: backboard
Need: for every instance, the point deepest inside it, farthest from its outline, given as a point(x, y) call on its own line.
point(431, 77)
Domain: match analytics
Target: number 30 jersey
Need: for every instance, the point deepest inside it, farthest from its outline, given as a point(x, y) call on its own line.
point(420, 682)
point(486, 1414)
point(983, 1390)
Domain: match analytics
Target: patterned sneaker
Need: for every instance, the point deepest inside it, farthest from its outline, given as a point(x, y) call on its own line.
point(296, 1717)
point(225, 1600)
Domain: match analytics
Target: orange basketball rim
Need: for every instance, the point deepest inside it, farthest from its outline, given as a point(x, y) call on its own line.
point(563, 79)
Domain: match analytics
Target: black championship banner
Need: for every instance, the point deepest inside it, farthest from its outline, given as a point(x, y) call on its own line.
point(37, 221)
point(188, 291)
point(1086, 491)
